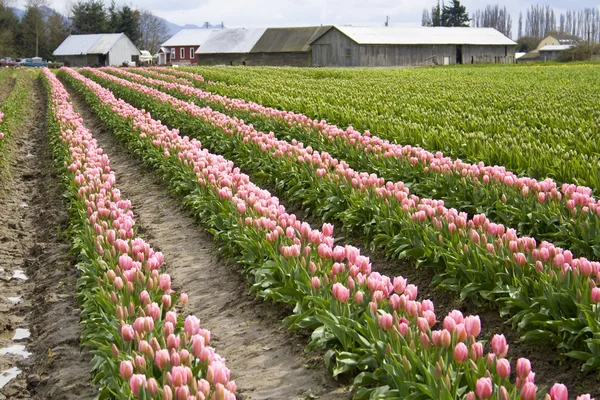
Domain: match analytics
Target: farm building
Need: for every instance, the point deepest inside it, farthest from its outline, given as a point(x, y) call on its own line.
point(550, 47)
point(287, 46)
point(181, 48)
point(229, 47)
point(104, 49)
point(358, 46)
point(270, 46)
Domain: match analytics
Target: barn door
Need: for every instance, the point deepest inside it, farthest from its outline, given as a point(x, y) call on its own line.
point(322, 55)
point(459, 57)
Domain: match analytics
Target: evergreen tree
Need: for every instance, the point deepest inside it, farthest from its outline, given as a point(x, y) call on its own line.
point(10, 25)
point(129, 23)
point(58, 30)
point(436, 14)
point(455, 15)
point(32, 30)
point(88, 17)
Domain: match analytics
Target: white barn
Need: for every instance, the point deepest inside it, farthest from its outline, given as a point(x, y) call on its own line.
point(103, 49)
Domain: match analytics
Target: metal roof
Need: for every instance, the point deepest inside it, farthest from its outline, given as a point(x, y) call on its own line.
point(424, 35)
point(189, 37)
point(284, 40)
point(231, 41)
point(100, 43)
point(556, 47)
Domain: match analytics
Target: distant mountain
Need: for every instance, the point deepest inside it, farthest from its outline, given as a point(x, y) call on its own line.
point(46, 12)
point(174, 28)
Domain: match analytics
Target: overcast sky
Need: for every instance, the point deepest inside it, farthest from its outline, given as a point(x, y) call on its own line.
point(264, 13)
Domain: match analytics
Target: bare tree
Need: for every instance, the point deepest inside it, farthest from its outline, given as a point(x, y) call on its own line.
point(153, 31)
point(426, 18)
point(493, 16)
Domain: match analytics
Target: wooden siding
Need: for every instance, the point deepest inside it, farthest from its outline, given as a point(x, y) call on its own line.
point(296, 59)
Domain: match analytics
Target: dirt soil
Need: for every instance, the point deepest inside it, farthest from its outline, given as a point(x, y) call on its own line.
point(267, 362)
point(32, 217)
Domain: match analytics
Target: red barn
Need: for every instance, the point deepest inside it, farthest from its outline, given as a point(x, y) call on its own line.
point(181, 48)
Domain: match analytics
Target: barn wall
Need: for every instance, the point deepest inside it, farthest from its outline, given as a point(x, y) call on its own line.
point(296, 59)
point(176, 59)
point(79, 60)
point(335, 49)
point(122, 52)
point(488, 54)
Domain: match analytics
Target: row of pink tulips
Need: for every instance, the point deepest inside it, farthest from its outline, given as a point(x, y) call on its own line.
point(334, 271)
point(545, 190)
point(497, 238)
point(1, 118)
point(149, 333)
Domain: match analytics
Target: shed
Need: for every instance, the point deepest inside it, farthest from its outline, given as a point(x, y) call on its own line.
point(229, 47)
point(104, 49)
point(364, 46)
point(181, 48)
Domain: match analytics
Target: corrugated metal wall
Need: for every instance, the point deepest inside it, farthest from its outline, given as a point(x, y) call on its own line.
point(297, 59)
point(122, 51)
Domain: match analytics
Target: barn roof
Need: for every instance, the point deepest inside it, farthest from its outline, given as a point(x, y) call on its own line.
point(231, 41)
point(100, 43)
point(284, 40)
point(424, 35)
point(189, 37)
point(556, 47)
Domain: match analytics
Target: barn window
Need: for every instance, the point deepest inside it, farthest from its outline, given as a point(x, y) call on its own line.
point(192, 53)
point(182, 53)
point(348, 52)
point(173, 53)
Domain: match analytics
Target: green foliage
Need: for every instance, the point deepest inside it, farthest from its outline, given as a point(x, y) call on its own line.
point(538, 122)
point(88, 17)
point(527, 43)
point(455, 15)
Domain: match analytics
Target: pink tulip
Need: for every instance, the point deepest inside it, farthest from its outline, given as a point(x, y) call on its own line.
point(499, 345)
point(386, 321)
point(523, 368)
point(559, 392)
point(473, 326)
point(162, 358)
point(152, 387)
point(528, 391)
point(503, 368)
point(596, 295)
point(484, 388)
point(126, 369)
point(127, 333)
point(460, 352)
point(136, 382)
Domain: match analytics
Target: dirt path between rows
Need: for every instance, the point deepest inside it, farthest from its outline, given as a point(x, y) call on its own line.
point(6, 87)
point(267, 362)
point(32, 216)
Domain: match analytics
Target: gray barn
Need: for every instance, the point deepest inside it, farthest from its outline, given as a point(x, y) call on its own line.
point(358, 46)
point(103, 49)
point(270, 46)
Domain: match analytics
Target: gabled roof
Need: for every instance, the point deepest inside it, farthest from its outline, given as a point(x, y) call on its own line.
point(424, 35)
point(189, 37)
point(556, 47)
point(231, 41)
point(284, 40)
point(100, 43)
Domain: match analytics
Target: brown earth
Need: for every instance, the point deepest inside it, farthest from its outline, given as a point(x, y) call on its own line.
point(267, 362)
point(32, 217)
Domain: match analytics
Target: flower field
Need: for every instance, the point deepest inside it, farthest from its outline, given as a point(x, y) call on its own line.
point(513, 248)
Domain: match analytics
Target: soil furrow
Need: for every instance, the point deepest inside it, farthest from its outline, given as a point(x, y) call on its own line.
point(32, 216)
point(267, 362)
point(6, 87)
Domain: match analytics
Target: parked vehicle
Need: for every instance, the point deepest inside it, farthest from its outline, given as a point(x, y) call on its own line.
point(7, 62)
point(33, 62)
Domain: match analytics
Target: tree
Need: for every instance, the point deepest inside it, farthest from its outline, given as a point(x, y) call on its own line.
point(10, 25)
point(527, 43)
point(58, 31)
point(426, 18)
point(493, 16)
point(33, 29)
point(153, 31)
point(88, 17)
point(455, 15)
point(520, 25)
point(436, 15)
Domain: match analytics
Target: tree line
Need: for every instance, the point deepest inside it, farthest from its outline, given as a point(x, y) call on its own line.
point(41, 29)
point(536, 23)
